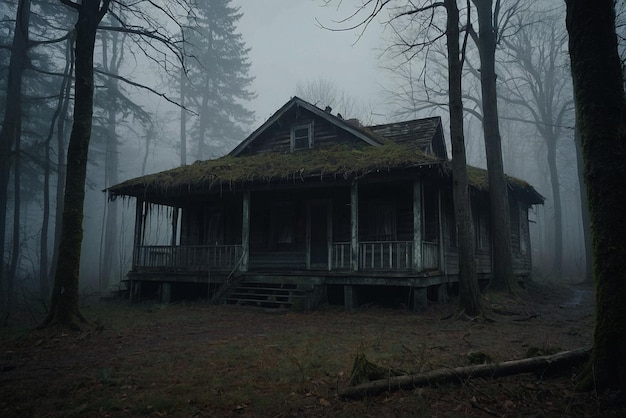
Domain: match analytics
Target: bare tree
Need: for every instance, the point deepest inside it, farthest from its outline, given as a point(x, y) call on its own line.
point(469, 292)
point(411, 42)
point(539, 84)
point(11, 130)
point(323, 92)
point(64, 307)
point(59, 113)
point(486, 40)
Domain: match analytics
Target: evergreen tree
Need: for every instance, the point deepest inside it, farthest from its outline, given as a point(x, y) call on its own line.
point(217, 78)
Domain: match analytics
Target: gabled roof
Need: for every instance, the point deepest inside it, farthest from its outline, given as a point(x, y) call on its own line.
point(368, 137)
point(420, 132)
point(385, 148)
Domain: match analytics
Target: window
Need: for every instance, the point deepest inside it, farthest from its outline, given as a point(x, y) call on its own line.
point(382, 220)
point(302, 136)
point(430, 213)
point(450, 221)
point(282, 233)
point(516, 227)
point(481, 223)
point(523, 229)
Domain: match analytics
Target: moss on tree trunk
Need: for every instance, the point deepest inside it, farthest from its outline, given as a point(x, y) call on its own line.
point(64, 307)
point(601, 107)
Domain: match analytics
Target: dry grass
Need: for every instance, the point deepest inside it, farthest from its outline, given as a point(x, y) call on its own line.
point(198, 360)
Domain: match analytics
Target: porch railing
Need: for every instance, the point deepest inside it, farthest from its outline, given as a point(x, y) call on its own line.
point(373, 255)
point(340, 256)
point(384, 255)
point(197, 257)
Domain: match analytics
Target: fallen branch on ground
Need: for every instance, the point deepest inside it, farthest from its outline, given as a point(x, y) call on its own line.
point(539, 365)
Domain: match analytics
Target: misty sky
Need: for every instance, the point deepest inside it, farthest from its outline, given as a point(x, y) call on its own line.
point(288, 46)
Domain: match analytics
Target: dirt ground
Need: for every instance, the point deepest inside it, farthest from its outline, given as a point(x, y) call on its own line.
point(191, 359)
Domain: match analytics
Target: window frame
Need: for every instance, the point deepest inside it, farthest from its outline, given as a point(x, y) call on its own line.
point(293, 139)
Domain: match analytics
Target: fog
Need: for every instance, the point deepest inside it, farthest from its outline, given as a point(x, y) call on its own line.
point(287, 47)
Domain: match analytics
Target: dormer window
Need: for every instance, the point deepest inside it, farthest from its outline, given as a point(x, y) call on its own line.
point(302, 136)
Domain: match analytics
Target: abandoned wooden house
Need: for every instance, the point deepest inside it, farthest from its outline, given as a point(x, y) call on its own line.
point(313, 208)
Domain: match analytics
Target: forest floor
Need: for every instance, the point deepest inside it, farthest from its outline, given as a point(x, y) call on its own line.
point(191, 359)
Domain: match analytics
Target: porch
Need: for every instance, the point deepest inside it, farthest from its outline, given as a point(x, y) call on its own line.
point(380, 256)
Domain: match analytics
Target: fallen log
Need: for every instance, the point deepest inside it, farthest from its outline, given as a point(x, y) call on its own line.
point(539, 365)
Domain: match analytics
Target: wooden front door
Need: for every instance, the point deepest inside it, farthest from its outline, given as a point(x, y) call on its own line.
point(318, 233)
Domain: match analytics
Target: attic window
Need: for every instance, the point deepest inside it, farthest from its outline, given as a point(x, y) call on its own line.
point(302, 136)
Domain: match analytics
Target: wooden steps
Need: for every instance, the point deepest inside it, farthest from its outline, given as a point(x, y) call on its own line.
point(268, 295)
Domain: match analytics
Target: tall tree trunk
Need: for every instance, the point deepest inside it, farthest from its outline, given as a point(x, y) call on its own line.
point(64, 306)
point(204, 106)
point(109, 263)
point(11, 129)
point(498, 195)
point(584, 209)
point(44, 287)
point(44, 277)
point(469, 292)
point(61, 170)
point(202, 126)
point(111, 237)
point(558, 213)
point(183, 118)
point(149, 138)
point(601, 110)
point(15, 250)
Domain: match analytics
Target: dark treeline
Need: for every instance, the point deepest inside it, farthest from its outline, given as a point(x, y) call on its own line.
point(153, 63)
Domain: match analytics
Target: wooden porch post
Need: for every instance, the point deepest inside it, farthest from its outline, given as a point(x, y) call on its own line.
point(354, 224)
point(442, 256)
point(420, 298)
point(417, 226)
point(174, 226)
point(245, 232)
point(308, 236)
point(165, 292)
point(329, 233)
point(137, 239)
point(349, 297)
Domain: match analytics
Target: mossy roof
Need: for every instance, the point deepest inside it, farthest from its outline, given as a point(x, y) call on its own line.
point(336, 162)
point(339, 161)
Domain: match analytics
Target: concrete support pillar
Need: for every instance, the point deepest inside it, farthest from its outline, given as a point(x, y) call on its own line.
point(442, 293)
point(349, 298)
point(165, 292)
point(420, 298)
point(135, 291)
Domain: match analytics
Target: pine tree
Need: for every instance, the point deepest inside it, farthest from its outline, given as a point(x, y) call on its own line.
point(217, 77)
